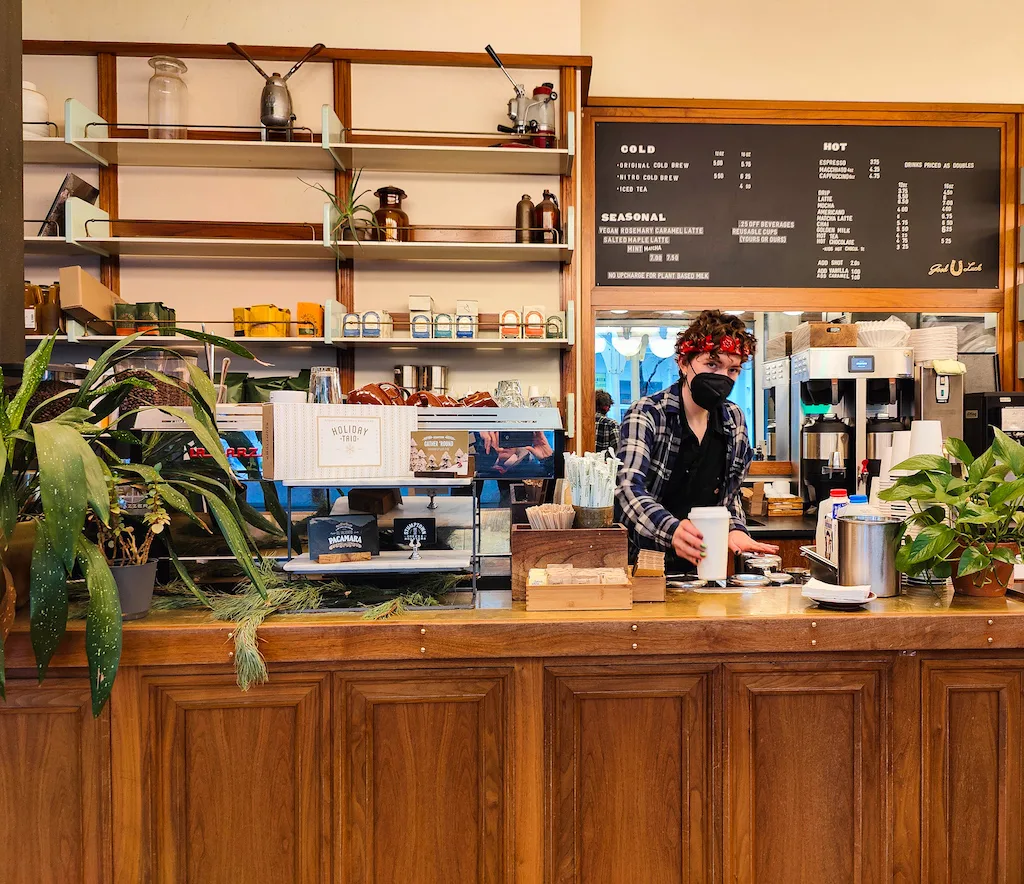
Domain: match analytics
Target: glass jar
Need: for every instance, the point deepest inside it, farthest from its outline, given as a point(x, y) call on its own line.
point(168, 98)
point(393, 221)
point(325, 385)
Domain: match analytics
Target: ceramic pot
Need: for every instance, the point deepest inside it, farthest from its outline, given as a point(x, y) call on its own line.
point(34, 112)
point(479, 399)
point(134, 588)
point(424, 399)
point(593, 516)
point(990, 583)
point(371, 394)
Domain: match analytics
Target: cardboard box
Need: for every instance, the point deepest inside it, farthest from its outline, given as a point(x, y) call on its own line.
point(421, 325)
point(309, 319)
point(534, 321)
point(465, 325)
point(823, 334)
point(354, 533)
point(86, 299)
point(581, 547)
point(306, 442)
point(469, 308)
point(421, 304)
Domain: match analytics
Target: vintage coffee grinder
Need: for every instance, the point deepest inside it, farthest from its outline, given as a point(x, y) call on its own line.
point(533, 117)
point(276, 101)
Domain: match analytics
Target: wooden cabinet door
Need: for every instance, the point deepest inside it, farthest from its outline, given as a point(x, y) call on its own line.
point(973, 794)
point(239, 782)
point(425, 780)
point(54, 784)
point(630, 775)
point(805, 761)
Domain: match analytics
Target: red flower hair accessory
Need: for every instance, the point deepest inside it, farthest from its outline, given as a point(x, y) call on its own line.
point(728, 344)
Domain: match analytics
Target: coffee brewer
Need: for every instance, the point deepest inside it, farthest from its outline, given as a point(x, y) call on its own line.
point(535, 117)
point(868, 393)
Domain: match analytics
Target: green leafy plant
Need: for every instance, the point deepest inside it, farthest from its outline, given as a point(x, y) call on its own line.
point(963, 520)
point(55, 474)
point(350, 214)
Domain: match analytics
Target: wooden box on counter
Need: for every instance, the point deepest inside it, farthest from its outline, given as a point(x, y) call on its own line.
point(581, 547)
point(647, 589)
point(579, 597)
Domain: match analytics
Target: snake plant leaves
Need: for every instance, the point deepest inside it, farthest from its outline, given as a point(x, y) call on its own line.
point(204, 387)
point(102, 623)
point(63, 486)
point(48, 600)
point(186, 578)
point(86, 392)
point(35, 366)
point(8, 508)
point(207, 438)
point(218, 341)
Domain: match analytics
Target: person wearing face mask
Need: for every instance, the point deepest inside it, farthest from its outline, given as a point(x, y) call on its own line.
point(687, 446)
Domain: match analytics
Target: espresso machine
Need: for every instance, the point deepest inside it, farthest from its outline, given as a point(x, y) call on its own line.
point(869, 393)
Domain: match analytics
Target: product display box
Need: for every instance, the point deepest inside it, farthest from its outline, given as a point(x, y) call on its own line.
point(306, 442)
point(436, 455)
point(580, 547)
point(86, 299)
point(343, 536)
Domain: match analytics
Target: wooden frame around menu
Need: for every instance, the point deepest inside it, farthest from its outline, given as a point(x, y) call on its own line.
point(1001, 300)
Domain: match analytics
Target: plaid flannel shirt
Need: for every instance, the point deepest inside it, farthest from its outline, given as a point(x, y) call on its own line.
point(648, 450)
point(607, 435)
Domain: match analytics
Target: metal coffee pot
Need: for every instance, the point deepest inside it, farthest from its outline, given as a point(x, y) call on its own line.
point(276, 101)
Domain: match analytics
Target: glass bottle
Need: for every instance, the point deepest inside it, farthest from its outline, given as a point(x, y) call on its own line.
point(393, 221)
point(547, 220)
point(33, 298)
point(48, 312)
point(168, 98)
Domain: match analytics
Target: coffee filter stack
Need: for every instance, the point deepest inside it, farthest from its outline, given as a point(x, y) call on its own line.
point(934, 342)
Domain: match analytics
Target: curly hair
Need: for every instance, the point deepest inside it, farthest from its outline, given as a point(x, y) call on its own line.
point(716, 325)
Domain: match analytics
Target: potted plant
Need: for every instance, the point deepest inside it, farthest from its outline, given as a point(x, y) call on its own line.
point(352, 220)
point(971, 526)
point(53, 474)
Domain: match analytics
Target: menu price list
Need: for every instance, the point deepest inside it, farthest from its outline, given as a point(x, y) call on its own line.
point(795, 206)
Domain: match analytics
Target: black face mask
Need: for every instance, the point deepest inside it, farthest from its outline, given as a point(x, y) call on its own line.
point(710, 390)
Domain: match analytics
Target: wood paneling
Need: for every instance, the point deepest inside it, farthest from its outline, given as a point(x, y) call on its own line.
point(974, 796)
point(240, 782)
point(805, 762)
point(630, 773)
point(425, 790)
point(106, 107)
point(54, 784)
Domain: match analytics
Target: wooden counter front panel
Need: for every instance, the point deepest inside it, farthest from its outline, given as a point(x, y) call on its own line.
point(425, 788)
point(54, 784)
point(974, 797)
point(805, 763)
point(240, 782)
point(631, 774)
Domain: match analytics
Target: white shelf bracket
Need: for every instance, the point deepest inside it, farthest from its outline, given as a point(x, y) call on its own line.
point(81, 123)
point(77, 213)
point(331, 133)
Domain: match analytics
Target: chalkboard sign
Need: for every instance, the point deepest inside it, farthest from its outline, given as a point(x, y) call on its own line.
point(797, 206)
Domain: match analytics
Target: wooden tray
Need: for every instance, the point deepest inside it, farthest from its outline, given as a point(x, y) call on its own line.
point(579, 597)
point(581, 547)
point(647, 589)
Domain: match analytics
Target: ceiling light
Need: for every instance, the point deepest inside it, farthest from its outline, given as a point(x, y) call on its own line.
point(628, 347)
point(618, 312)
point(600, 343)
point(792, 312)
point(735, 312)
point(662, 347)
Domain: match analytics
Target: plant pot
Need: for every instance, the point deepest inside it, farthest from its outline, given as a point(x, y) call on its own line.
point(18, 560)
point(135, 588)
point(990, 583)
point(593, 517)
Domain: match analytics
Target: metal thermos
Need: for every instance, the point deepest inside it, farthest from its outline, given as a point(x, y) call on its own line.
point(434, 379)
point(524, 218)
point(867, 553)
point(407, 377)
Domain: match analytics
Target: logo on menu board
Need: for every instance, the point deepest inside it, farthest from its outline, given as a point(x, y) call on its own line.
point(955, 268)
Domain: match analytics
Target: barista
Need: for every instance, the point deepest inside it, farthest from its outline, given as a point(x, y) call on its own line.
point(687, 446)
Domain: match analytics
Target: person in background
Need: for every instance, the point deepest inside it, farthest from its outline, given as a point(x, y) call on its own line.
point(688, 446)
point(607, 429)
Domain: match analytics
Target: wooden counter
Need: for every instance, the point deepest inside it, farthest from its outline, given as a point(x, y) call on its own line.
point(713, 738)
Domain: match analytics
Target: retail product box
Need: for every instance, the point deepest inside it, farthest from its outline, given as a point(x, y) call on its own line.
point(534, 319)
point(376, 324)
point(580, 547)
point(465, 325)
point(86, 299)
point(307, 442)
point(554, 326)
point(352, 326)
point(439, 454)
point(309, 319)
point(444, 325)
point(779, 347)
point(421, 304)
point(470, 308)
point(421, 325)
point(510, 324)
point(343, 536)
point(823, 334)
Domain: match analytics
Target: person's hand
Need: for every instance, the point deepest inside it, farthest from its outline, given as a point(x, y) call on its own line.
point(688, 542)
point(741, 542)
point(490, 441)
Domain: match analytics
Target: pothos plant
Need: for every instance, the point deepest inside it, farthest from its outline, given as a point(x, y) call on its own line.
point(55, 473)
point(964, 520)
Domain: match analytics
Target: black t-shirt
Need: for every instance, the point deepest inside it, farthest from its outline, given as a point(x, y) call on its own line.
point(698, 476)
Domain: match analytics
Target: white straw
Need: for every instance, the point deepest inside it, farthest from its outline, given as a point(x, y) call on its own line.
point(592, 478)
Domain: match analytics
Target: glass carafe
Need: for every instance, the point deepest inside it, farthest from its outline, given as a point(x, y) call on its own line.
point(168, 98)
point(325, 385)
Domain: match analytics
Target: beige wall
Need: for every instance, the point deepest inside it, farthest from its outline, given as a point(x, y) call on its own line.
point(869, 50)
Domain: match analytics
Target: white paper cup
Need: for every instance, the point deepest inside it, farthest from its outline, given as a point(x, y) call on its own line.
point(713, 523)
point(900, 448)
point(290, 396)
point(925, 438)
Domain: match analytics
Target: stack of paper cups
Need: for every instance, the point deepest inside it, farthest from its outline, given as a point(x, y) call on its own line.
point(713, 523)
point(900, 451)
point(925, 438)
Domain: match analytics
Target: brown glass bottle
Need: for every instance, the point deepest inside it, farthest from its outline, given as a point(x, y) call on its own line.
point(48, 312)
point(547, 220)
point(394, 223)
point(524, 218)
point(33, 298)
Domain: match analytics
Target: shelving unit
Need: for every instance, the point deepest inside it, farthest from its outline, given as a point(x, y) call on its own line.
point(459, 343)
point(455, 251)
point(54, 151)
point(388, 562)
point(54, 246)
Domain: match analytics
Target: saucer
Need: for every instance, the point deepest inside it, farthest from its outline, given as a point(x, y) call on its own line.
point(830, 605)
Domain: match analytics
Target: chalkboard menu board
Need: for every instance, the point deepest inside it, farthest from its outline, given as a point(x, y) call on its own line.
point(797, 206)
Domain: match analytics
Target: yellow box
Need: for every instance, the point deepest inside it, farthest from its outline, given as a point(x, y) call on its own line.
point(309, 319)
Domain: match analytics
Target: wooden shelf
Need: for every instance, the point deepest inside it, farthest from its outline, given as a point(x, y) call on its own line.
point(387, 562)
point(53, 152)
point(180, 342)
point(459, 343)
point(55, 246)
point(449, 512)
point(185, 247)
point(203, 154)
point(379, 482)
point(560, 253)
point(482, 160)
